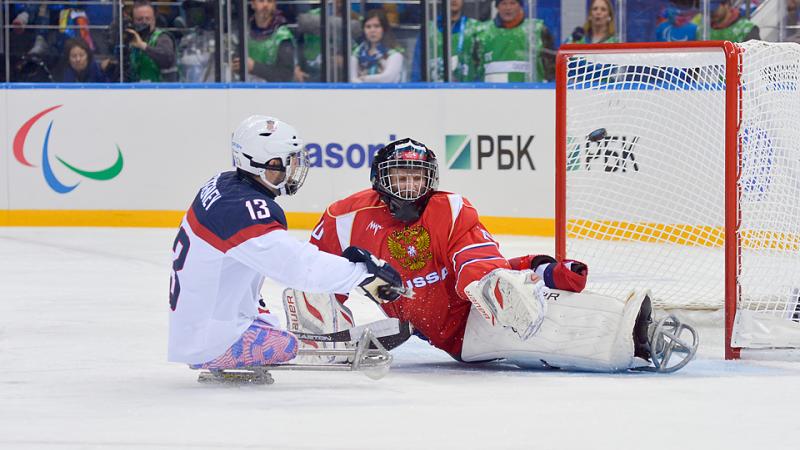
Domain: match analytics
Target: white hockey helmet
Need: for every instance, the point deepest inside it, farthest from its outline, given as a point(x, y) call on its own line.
point(260, 139)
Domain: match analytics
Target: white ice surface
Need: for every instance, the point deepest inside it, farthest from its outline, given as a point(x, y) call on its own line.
point(83, 323)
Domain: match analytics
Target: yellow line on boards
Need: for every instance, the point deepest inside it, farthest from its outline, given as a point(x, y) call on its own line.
point(526, 226)
point(89, 218)
point(681, 234)
point(171, 219)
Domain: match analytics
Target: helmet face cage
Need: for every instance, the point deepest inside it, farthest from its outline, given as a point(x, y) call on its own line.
point(407, 179)
point(405, 173)
point(296, 172)
point(295, 168)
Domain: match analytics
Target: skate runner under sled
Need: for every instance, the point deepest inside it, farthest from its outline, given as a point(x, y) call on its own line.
point(365, 352)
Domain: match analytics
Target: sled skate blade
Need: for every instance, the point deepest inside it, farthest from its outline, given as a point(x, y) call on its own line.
point(368, 356)
point(245, 375)
point(673, 344)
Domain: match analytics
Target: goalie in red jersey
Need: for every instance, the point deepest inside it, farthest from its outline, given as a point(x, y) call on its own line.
point(469, 300)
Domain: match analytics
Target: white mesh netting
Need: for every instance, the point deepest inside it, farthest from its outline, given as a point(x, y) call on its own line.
point(645, 200)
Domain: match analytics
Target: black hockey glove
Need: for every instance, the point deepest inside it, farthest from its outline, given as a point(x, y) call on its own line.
point(576, 266)
point(568, 275)
point(385, 284)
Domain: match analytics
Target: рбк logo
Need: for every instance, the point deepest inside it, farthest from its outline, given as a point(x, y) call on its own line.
point(510, 151)
point(458, 153)
point(609, 154)
point(49, 176)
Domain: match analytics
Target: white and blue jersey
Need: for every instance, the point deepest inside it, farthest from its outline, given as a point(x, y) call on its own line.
point(232, 236)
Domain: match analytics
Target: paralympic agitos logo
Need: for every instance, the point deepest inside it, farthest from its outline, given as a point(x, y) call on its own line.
point(47, 169)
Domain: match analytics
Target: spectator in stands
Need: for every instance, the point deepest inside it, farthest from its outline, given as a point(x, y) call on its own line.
point(101, 14)
point(679, 22)
point(152, 50)
point(683, 21)
point(25, 14)
point(30, 53)
point(73, 22)
point(309, 63)
point(599, 27)
point(270, 44)
point(728, 23)
point(378, 59)
point(196, 48)
point(503, 46)
point(462, 47)
point(79, 64)
point(167, 12)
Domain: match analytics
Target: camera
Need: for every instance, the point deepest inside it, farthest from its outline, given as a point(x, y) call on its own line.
point(142, 29)
point(127, 24)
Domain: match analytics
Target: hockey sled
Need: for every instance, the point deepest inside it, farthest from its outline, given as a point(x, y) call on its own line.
point(368, 356)
point(672, 345)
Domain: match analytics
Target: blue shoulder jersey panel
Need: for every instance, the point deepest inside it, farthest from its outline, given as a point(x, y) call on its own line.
point(230, 203)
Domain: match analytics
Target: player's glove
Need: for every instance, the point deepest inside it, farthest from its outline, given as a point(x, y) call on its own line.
point(567, 275)
point(385, 284)
point(510, 298)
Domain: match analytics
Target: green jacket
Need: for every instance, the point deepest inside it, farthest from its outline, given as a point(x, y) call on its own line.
point(737, 32)
point(504, 53)
point(265, 51)
point(312, 48)
point(142, 65)
point(462, 49)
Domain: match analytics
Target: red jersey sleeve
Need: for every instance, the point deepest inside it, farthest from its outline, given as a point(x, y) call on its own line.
point(324, 235)
point(523, 262)
point(564, 275)
point(472, 251)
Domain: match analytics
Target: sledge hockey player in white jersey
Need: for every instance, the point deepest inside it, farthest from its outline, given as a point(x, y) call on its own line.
point(232, 236)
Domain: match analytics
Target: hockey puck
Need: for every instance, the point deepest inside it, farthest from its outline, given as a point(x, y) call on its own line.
point(598, 135)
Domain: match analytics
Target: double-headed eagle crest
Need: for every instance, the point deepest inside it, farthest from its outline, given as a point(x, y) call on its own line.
point(411, 247)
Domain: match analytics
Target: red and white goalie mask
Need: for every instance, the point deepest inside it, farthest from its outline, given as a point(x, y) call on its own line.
point(405, 173)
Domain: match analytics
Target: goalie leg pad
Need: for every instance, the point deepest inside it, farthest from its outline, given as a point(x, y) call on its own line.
point(580, 332)
point(260, 345)
point(316, 314)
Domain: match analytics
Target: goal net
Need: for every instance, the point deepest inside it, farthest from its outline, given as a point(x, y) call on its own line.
point(678, 170)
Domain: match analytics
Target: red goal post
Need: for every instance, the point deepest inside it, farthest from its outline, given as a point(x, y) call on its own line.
point(676, 164)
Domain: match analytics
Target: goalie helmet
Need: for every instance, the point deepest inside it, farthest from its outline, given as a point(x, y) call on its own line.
point(260, 139)
point(405, 174)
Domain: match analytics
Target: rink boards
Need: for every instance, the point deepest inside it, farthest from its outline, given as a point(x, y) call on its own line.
point(135, 155)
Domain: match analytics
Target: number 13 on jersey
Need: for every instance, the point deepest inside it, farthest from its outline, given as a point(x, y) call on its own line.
point(257, 208)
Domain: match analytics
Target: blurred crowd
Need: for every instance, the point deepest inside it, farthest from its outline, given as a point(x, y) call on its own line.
point(201, 41)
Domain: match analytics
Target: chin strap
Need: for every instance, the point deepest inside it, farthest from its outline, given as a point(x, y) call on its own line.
point(405, 210)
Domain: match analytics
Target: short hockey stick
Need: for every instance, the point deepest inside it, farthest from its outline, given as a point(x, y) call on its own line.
point(389, 332)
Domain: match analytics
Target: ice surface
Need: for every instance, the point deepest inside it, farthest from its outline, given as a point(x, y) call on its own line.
point(83, 324)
